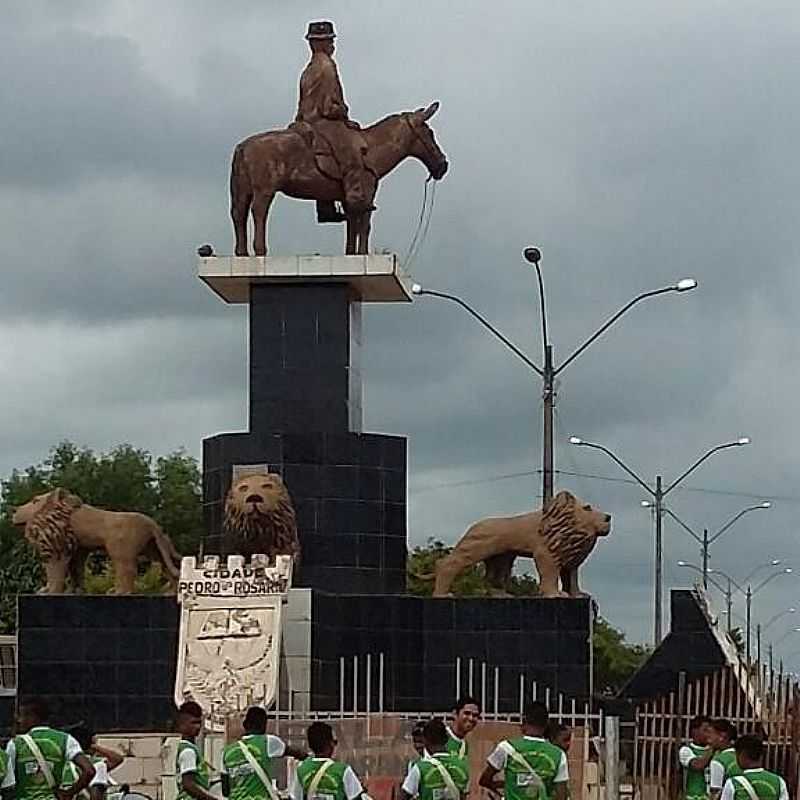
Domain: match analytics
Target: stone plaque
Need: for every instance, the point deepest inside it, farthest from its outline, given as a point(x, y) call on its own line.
point(230, 633)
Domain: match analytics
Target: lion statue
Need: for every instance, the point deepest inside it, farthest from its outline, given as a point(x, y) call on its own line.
point(64, 530)
point(259, 517)
point(558, 538)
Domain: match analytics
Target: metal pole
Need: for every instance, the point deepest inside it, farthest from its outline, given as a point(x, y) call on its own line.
point(729, 603)
point(705, 558)
point(758, 646)
point(747, 621)
point(612, 758)
point(657, 624)
point(547, 428)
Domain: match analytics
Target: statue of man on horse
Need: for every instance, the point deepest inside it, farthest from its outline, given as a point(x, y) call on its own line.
point(326, 157)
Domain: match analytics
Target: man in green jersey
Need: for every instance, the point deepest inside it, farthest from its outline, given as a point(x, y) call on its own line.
point(695, 756)
point(755, 783)
point(439, 774)
point(465, 719)
point(723, 765)
point(246, 764)
point(535, 769)
point(191, 769)
point(103, 760)
point(319, 777)
point(36, 757)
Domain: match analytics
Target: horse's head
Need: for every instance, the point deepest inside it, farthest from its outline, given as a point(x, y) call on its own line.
point(423, 144)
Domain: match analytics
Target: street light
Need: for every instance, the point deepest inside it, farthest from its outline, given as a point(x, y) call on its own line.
point(749, 595)
point(705, 541)
point(549, 371)
point(658, 493)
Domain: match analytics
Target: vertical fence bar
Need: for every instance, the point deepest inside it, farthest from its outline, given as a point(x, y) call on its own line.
point(483, 684)
point(612, 758)
point(458, 677)
point(369, 691)
point(496, 691)
point(341, 687)
point(521, 692)
point(355, 686)
point(381, 686)
point(471, 676)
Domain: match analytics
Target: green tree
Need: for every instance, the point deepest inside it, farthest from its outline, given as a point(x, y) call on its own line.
point(123, 479)
point(615, 660)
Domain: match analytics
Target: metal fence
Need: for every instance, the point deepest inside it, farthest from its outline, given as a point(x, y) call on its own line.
point(8, 665)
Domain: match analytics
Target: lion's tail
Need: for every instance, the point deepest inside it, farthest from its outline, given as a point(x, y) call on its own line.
point(170, 557)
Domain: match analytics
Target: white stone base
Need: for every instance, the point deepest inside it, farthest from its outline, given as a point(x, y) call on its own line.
point(374, 278)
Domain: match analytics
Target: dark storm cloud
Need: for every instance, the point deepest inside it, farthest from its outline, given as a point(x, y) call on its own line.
point(635, 146)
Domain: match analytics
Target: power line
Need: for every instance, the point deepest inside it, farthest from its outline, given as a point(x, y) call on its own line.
point(607, 479)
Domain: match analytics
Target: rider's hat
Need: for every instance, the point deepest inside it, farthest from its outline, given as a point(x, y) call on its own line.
point(320, 30)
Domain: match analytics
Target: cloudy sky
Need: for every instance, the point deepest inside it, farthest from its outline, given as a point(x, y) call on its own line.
point(634, 143)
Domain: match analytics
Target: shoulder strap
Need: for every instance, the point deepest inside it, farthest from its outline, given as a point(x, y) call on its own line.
point(452, 789)
point(318, 776)
point(517, 758)
point(747, 786)
point(258, 769)
point(40, 759)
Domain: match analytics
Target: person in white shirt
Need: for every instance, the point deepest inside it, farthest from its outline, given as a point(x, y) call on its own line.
point(755, 782)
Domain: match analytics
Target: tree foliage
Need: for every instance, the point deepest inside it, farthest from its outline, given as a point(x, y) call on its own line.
point(615, 660)
point(123, 479)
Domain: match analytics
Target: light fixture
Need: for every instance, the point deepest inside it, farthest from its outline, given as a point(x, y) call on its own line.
point(646, 504)
point(685, 285)
point(416, 288)
point(766, 504)
point(575, 440)
point(743, 441)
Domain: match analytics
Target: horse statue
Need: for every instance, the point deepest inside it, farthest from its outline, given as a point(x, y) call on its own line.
point(284, 161)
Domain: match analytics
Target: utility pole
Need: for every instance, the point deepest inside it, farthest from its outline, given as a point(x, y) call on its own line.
point(705, 558)
point(548, 389)
point(658, 495)
point(749, 599)
point(728, 603)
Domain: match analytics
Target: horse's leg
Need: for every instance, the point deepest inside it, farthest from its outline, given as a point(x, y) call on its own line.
point(240, 206)
point(350, 245)
point(260, 209)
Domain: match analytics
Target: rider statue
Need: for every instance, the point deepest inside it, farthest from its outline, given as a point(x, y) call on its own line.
point(322, 118)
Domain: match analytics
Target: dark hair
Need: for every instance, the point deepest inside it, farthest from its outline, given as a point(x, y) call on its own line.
point(255, 720)
point(83, 734)
point(418, 729)
point(320, 736)
point(750, 746)
point(536, 715)
point(190, 709)
point(554, 729)
point(466, 700)
point(435, 734)
point(697, 722)
point(37, 706)
point(725, 727)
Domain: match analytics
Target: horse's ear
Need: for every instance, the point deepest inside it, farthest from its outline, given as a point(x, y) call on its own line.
point(430, 111)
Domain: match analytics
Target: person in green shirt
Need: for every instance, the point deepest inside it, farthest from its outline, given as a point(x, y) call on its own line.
point(191, 769)
point(439, 774)
point(37, 756)
point(467, 715)
point(534, 768)
point(247, 763)
point(695, 756)
point(724, 764)
point(755, 782)
point(319, 777)
point(103, 760)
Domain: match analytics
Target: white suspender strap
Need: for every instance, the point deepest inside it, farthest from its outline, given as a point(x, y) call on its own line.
point(259, 770)
point(44, 766)
point(452, 789)
point(314, 785)
point(747, 786)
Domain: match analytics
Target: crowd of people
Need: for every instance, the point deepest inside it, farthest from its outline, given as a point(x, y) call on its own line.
point(42, 763)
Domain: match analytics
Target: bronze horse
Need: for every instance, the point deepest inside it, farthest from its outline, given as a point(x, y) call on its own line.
point(282, 161)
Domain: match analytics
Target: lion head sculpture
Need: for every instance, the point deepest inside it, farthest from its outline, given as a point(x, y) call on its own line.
point(46, 520)
point(570, 529)
point(260, 518)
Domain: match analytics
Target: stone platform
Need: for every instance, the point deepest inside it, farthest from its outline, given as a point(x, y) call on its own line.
point(115, 656)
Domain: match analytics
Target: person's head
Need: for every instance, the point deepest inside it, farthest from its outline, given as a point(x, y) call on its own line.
point(701, 731)
point(435, 736)
point(255, 720)
point(32, 712)
point(467, 715)
point(724, 732)
point(189, 719)
point(750, 751)
point(321, 740)
point(84, 735)
point(321, 37)
point(535, 718)
point(559, 734)
point(417, 739)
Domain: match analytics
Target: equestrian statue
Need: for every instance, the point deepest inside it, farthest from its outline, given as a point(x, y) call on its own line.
point(325, 156)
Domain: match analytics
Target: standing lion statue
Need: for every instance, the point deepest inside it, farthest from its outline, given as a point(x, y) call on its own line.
point(558, 538)
point(260, 518)
point(64, 530)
